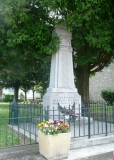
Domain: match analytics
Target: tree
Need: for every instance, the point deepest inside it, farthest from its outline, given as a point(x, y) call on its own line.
point(26, 38)
point(37, 77)
point(92, 27)
point(25, 74)
point(27, 28)
point(11, 74)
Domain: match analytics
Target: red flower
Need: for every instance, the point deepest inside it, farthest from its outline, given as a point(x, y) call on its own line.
point(58, 129)
point(55, 122)
point(61, 122)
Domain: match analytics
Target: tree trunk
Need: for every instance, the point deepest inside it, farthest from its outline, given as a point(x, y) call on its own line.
point(82, 82)
point(25, 95)
point(16, 90)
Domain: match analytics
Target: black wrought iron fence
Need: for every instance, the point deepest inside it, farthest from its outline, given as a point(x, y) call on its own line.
point(20, 128)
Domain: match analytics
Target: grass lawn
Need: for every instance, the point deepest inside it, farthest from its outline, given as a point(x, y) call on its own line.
point(101, 108)
point(102, 112)
point(4, 110)
point(7, 136)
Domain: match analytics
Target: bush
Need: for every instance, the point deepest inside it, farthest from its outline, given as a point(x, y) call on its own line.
point(22, 96)
point(108, 96)
point(8, 98)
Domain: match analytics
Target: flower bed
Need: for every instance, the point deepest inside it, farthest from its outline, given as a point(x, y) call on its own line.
point(53, 127)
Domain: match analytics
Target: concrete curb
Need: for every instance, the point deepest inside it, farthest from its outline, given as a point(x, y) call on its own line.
point(103, 156)
point(85, 142)
point(7, 153)
point(97, 152)
point(99, 148)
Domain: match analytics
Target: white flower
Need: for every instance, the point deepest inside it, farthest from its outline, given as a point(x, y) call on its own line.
point(45, 125)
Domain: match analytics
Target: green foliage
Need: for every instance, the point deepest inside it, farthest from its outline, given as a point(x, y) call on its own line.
point(4, 110)
point(26, 32)
point(8, 98)
point(27, 27)
point(25, 41)
point(22, 96)
point(108, 96)
point(91, 24)
point(92, 74)
point(26, 102)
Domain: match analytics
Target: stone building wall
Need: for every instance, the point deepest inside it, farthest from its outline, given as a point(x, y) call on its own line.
point(102, 80)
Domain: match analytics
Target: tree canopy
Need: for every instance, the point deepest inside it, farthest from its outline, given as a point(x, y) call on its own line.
point(92, 27)
point(25, 41)
point(91, 23)
point(26, 28)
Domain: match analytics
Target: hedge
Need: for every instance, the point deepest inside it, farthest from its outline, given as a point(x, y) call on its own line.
point(8, 98)
point(108, 96)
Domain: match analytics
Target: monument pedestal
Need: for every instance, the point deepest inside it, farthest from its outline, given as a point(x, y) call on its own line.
point(62, 89)
point(64, 99)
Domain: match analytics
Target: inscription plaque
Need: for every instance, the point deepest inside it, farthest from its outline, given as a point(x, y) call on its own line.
point(65, 100)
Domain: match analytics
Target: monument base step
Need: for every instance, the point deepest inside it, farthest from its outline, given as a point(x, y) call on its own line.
point(81, 120)
point(90, 149)
point(97, 152)
point(83, 142)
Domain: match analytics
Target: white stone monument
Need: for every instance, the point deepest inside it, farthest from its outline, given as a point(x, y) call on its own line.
point(62, 89)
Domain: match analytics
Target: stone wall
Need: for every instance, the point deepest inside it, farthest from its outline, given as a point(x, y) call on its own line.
point(102, 80)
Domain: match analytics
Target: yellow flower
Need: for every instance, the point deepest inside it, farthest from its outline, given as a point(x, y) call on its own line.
point(39, 125)
point(47, 122)
point(42, 123)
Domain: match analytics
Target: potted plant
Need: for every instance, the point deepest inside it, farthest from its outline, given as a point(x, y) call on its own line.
point(54, 139)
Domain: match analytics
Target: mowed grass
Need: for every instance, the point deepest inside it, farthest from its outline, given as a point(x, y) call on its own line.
point(4, 110)
point(101, 108)
point(7, 135)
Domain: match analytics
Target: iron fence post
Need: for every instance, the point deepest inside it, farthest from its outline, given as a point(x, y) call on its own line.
point(46, 113)
point(47, 116)
point(113, 111)
point(41, 113)
point(53, 114)
point(74, 120)
point(106, 118)
point(10, 113)
point(69, 115)
point(79, 118)
point(88, 120)
point(82, 109)
point(59, 115)
point(15, 111)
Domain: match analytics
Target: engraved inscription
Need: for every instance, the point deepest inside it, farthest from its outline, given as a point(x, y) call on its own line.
point(64, 100)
